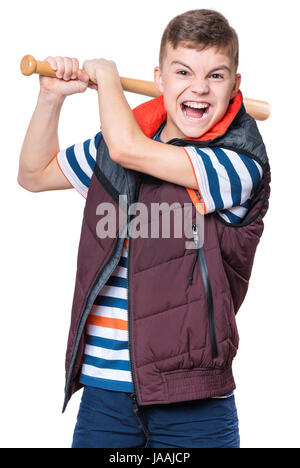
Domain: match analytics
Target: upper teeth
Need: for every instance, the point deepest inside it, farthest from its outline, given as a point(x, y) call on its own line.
point(196, 105)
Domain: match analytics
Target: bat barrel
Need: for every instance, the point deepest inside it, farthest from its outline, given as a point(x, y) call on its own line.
point(146, 88)
point(260, 110)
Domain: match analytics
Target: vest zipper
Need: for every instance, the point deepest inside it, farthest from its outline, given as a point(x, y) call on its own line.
point(134, 395)
point(199, 255)
point(129, 325)
point(196, 255)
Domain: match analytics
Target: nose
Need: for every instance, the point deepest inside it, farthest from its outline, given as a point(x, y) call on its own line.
point(200, 86)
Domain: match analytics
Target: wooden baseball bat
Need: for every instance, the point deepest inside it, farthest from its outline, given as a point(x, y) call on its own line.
point(259, 110)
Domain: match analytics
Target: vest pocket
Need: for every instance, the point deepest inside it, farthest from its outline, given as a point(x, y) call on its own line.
point(200, 257)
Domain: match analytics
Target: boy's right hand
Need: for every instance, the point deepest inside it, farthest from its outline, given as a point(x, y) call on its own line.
point(70, 79)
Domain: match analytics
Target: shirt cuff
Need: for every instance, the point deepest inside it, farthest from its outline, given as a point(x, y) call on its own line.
point(63, 166)
point(200, 179)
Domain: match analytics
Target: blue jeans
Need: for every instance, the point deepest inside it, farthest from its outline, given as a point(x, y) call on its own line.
point(110, 419)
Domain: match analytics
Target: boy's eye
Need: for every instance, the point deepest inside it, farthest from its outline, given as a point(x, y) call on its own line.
point(216, 75)
point(182, 72)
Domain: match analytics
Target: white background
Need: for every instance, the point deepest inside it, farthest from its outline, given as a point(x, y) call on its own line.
point(40, 232)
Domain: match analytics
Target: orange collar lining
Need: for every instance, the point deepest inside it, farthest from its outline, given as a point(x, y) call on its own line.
point(152, 114)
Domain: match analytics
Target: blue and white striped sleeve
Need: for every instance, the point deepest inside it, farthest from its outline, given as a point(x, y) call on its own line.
point(77, 163)
point(226, 180)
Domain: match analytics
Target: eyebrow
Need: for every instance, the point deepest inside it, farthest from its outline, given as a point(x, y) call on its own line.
point(220, 67)
point(177, 62)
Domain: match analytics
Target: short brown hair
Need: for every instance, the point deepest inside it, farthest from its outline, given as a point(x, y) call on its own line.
point(201, 29)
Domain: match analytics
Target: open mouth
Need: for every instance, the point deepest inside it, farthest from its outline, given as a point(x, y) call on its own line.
point(195, 110)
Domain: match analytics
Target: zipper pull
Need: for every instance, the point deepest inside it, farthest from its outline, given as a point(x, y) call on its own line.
point(196, 241)
point(196, 235)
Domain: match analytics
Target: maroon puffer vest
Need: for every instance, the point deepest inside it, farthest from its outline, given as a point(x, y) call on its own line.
point(182, 302)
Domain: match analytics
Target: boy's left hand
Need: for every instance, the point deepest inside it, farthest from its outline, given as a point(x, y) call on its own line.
point(95, 68)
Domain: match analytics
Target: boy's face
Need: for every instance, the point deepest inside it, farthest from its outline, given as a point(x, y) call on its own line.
point(197, 89)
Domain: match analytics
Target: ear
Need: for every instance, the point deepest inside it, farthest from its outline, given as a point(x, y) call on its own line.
point(158, 79)
point(237, 85)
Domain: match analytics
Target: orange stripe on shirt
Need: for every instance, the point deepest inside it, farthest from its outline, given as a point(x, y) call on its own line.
point(194, 198)
point(107, 322)
point(200, 206)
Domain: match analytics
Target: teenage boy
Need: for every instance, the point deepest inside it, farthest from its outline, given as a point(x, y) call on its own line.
point(153, 331)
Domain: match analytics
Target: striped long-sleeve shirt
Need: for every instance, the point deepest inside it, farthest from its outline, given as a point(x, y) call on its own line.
point(226, 180)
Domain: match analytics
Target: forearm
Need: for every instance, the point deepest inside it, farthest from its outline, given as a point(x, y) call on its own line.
point(119, 126)
point(41, 140)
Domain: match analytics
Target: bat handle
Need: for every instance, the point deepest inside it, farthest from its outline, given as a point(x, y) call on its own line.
point(29, 66)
